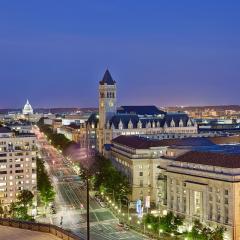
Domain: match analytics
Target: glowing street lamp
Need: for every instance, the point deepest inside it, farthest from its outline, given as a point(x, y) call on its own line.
point(149, 226)
point(164, 212)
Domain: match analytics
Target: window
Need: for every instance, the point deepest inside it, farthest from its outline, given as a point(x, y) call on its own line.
point(141, 183)
point(218, 216)
point(210, 211)
point(226, 215)
point(197, 203)
point(226, 192)
point(210, 197)
point(226, 201)
point(141, 174)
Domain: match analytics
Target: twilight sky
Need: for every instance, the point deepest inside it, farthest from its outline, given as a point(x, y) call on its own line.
point(162, 52)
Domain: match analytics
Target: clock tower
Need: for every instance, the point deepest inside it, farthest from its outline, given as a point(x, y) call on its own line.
point(107, 104)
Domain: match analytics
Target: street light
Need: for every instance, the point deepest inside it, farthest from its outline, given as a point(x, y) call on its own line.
point(149, 226)
point(160, 231)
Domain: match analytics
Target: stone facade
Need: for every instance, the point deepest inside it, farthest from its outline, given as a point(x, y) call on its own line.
point(134, 120)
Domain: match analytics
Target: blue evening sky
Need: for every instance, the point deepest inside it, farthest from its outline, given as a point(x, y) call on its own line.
point(172, 52)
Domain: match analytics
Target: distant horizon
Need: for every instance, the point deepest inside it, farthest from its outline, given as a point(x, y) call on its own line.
point(62, 107)
point(164, 53)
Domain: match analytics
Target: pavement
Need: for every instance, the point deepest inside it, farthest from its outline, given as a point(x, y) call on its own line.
point(71, 201)
point(10, 233)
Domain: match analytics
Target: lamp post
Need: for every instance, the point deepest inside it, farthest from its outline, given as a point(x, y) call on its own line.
point(88, 220)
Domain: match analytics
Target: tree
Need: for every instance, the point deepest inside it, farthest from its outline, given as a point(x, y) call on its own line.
point(45, 188)
point(203, 232)
point(1, 210)
point(47, 194)
point(25, 198)
point(17, 210)
point(108, 179)
point(218, 233)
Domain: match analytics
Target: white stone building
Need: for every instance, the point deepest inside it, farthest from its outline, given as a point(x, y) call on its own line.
point(191, 177)
point(27, 109)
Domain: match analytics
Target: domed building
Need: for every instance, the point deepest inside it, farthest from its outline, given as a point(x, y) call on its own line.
point(27, 109)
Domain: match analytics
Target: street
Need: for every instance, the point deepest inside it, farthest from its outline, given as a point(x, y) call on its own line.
point(70, 200)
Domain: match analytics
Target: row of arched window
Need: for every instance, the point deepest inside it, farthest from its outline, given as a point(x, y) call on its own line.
point(107, 95)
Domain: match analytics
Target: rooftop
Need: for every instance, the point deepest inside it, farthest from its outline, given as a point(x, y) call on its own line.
point(5, 130)
point(140, 110)
point(211, 158)
point(138, 142)
point(22, 234)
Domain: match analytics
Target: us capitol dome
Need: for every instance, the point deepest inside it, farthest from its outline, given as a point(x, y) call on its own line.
point(27, 108)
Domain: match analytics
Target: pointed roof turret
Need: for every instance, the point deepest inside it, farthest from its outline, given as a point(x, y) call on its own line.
point(107, 79)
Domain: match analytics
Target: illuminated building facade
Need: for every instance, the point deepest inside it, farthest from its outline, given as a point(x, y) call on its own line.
point(27, 109)
point(17, 164)
point(134, 120)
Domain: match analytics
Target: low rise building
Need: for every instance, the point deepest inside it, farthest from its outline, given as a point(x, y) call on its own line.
point(71, 132)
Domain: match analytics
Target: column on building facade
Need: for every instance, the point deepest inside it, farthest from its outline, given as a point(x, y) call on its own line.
point(205, 205)
point(174, 193)
point(214, 204)
point(191, 202)
point(222, 205)
point(169, 193)
point(187, 201)
point(181, 197)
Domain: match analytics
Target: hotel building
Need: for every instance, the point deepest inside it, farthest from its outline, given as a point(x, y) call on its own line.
point(17, 164)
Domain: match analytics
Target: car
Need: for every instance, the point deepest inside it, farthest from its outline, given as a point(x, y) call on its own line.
point(126, 227)
point(121, 224)
point(102, 204)
point(53, 211)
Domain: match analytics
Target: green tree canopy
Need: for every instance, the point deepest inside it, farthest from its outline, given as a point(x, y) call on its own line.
point(25, 197)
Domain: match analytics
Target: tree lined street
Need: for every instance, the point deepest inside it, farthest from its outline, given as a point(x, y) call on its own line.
point(70, 201)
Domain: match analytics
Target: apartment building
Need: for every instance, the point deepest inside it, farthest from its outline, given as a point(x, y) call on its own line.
point(17, 164)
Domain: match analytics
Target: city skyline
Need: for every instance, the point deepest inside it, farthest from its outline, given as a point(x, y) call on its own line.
point(187, 56)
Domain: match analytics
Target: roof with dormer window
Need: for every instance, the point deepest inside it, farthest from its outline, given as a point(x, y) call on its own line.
point(141, 110)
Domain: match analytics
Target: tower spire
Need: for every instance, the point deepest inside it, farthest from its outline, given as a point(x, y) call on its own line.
point(107, 79)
